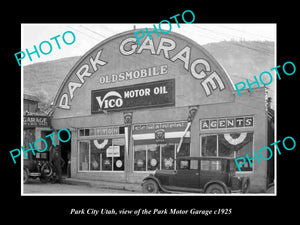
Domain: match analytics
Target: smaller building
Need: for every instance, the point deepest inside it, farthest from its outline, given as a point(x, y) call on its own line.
point(35, 125)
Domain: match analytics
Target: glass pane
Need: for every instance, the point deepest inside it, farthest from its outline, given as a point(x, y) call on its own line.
point(101, 157)
point(204, 164)
point(140, 157)
point(184, 164)
point(153, 156)
point(118, 158)
point(167, 154)
point(215, 165)
point(95, 156)
point(92, 132)
point(225, 149)
point(107, 154)
point(83, 155)
point(194, 165)
point(209, 145)
point(243, 148)
point(185, 148)
point(81, 132)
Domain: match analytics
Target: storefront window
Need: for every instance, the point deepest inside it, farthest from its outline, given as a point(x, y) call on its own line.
point(83, 156)
point(150, 157)
point(168, 156)
point(224, 150)
point(228, 145)
point(153, 157)
point(118, 154)
point(184, 148)
point(140, 157)
point(246, 148)
point(101, 155)
point(209, 145)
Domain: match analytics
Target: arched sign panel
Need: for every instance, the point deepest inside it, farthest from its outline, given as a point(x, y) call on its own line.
point(118, 74)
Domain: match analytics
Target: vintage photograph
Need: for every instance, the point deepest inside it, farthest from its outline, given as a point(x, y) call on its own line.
point(148, 109)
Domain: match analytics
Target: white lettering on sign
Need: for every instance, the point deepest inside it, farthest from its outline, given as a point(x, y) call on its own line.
point(134, 74)
point(199, 68)
point(159, 93)
point(227, 123)
point(110, 103)
point(137, 93)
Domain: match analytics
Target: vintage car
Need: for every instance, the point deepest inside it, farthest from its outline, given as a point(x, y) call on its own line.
point(197, 174)
point(39, 167)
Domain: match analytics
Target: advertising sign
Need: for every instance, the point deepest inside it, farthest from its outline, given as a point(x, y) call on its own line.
point(35, 121)
point(154, 94)
point(172, 126)
point(230, 122)
point(113, 151)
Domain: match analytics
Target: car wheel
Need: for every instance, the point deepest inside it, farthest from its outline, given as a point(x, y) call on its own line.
point(25, 176)
point(215, 189)
point(150, 186)
point(270, 189)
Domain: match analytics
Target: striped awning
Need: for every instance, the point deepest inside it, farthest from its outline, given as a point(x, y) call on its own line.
point(152, 132)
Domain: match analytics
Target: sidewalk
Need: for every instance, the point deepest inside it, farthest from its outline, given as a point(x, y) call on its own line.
point(104, 184)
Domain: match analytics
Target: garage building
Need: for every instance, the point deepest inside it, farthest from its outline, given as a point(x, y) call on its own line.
point(134, 108)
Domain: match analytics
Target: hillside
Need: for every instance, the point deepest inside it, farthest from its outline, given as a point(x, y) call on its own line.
point(241, 59)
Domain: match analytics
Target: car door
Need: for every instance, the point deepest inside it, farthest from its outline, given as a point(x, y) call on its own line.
point(187, 174)
point(212, 169)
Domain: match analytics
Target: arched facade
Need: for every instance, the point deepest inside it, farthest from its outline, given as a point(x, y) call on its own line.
point(135, 108)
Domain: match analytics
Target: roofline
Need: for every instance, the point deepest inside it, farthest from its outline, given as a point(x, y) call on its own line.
point(227, 79)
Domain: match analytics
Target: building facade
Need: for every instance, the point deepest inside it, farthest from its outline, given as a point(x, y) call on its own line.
point(36, 125)
point(134, 108)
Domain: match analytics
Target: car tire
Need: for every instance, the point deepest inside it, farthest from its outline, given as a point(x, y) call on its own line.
point(271, 189)
point(215, 189)
point(150, 186)
point(25, 176)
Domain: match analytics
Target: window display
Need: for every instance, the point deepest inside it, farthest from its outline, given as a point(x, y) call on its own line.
point(150, 157)
point(101, 155)
point(168, 156)
point(228, 145)
point(140, 157)
point(83, 156)
point(209, 145)
point(153, 157)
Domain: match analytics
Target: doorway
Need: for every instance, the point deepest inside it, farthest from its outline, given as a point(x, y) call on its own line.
point(65, 152)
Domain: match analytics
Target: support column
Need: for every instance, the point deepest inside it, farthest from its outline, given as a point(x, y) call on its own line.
point(128, 153)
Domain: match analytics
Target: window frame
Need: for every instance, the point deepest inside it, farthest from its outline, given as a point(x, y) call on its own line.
point(160, 155)
point(89, 154)
point(234, 153)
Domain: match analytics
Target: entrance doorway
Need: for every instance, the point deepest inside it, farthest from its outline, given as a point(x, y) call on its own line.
point(65, 151)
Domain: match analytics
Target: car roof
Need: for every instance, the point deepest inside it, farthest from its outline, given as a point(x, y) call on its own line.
point(205, 157)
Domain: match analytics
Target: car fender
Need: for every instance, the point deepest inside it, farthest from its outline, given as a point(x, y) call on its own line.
point(158, 183)
point(216, 182)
